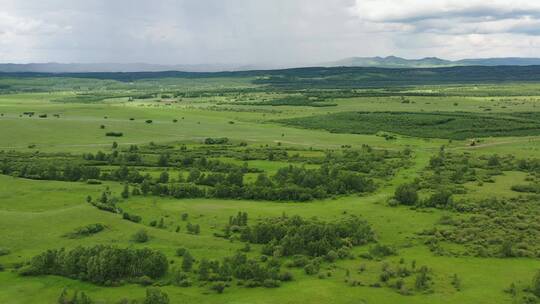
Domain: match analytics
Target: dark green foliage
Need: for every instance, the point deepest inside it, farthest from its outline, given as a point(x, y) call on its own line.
point(187, 261)
point(440, 199)
point(181, 251)
point(193, 228)
point(99, 264)
point(216, 141)
point(343, 172)
point(421, 124)
point(287, 79)
point(163, 160)
point(406, 194)
point(131, 217)
point(239, 220)
point(141, 236)
point(76, 298)
point(294, 100)
point(106, 203)
point(290, 236)
point(528, 188)
point(535, 286)
point(218, 287)
point(495, 228)
point(125, 192)
point(156, 296)
point(87, 230)
point(380, 250)
point(114, 134)
point(423, 280)
point(456, 282)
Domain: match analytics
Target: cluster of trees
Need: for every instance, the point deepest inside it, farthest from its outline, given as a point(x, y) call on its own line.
point(339, 173)
point(103, 265)
point(216, 141)
point(43, 171)
point(154, 295)
point(289, 183)
point(458, 168)
point(497, 228)
point(395, 277)
point(114, 134)
point(86, 230)
point(287, 236)
point(249, 272)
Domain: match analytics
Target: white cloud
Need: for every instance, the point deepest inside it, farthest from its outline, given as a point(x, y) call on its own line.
point(289, 32)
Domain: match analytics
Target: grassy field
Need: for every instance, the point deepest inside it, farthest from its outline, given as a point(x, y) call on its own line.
point(36, 214)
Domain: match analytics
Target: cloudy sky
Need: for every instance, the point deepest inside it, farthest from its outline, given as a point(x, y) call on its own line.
point(264, 32)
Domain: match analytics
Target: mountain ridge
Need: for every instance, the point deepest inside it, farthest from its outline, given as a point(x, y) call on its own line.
point(430, 62)
point(376, 62)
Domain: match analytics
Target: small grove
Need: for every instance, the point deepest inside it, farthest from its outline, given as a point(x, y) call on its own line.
point(489, 227)
point(342, 172)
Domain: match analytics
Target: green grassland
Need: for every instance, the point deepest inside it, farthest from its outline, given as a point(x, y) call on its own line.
point(274, 122)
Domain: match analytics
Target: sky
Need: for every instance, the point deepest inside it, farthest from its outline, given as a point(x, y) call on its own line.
point(264, 32)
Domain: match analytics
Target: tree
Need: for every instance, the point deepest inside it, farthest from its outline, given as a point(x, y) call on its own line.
point(141, 236)
point(125, 192)
point(422, 279)
point(145, 187)
point(194, 175)
point(204, 270)
point(406, 194)
point(535, 287)
point(156, 296)
point(163, 160)
point(218, 287)
point(187, 262)
point(507, 250)
point(114, 145)
point(164, 177)
point(62, 299)
point(456, 282)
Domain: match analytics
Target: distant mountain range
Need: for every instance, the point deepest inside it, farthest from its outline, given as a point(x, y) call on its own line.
point(429, 62)
point(378, 62)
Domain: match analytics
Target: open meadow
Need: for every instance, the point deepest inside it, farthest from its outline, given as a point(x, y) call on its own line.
point(271, 187)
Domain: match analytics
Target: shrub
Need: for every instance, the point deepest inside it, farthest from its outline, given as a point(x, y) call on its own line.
point(269, 283)
point(86, 230)
point(180, 251)
point(141, 236)
point(312, 268)
point(406, 194)
point(131, 217)
point(535, 286)
point(156, 296)
point(218, 287)
point(114, 134)
point(379, 250)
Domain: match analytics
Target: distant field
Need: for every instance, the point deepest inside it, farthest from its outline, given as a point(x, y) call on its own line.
point(419, 124)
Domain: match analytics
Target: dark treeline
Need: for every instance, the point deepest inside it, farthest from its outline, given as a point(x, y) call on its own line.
point(103, 265)
point(329, 77)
